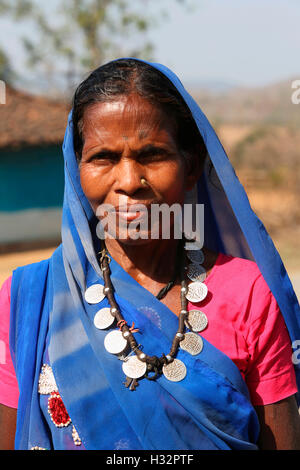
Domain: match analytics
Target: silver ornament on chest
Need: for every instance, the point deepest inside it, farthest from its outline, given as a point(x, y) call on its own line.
point(94, 294)
point(103, 319)
point(192, 343)
point(197, 291)
point(114, 342)
point(134, 368)
point(174, 371)
point(197, 321)
point(195, 256)
point(196, 272)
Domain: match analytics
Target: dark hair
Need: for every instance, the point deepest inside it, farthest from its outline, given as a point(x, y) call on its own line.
point(125, 76)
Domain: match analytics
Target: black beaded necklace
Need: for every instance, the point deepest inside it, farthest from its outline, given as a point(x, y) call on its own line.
point(154, 364)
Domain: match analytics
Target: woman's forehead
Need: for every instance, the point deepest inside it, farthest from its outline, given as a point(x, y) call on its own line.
point(126, 116)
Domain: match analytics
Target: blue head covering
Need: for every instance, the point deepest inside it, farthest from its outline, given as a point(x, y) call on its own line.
point(210, 408)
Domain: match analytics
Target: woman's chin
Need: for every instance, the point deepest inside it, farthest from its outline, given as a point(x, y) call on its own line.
point(135, 239)
point(130, 242)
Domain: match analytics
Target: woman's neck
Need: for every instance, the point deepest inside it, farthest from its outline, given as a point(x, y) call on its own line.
point(155, 259)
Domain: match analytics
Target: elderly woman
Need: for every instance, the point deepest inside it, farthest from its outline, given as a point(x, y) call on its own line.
point(130, 336)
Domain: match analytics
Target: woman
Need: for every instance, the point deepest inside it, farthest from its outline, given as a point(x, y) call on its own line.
point(104, 336)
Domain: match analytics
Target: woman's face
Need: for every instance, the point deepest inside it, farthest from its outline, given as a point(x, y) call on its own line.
point(123, 141)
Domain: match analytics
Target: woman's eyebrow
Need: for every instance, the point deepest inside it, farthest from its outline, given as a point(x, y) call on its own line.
point(152, 149)
point(105, 152)
point(149, 149)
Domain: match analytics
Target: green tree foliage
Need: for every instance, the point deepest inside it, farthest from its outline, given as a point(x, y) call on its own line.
point(17, 8)
point(6, 72)
point(75, 36)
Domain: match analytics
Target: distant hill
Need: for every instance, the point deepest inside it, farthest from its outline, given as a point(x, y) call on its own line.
point(210, 86)
point(271, 104)
point(260, 131)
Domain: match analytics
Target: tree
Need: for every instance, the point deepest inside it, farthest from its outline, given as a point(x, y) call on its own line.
point(6, 72)
point(75, 36)
point(17, 9)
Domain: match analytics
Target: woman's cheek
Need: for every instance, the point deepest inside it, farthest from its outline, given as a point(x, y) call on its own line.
point(90, 179)
point(172, 183)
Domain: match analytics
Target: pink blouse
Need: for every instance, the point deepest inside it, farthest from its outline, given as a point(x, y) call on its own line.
point(244, 322)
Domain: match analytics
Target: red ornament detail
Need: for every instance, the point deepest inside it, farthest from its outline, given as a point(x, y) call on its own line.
point(57, 410)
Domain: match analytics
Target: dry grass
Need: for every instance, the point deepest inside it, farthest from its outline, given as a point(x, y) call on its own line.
point(10, 261)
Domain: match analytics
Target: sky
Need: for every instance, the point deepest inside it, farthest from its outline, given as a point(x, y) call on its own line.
point(248, 42)
point(240, 42)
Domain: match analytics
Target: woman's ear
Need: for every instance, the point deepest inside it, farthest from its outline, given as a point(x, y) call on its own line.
point(194, 169)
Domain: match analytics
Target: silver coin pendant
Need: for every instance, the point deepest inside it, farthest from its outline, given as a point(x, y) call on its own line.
point(94, 294)
point(197, 291)
point(114, 342)
point(175, 371)
point(134, 368)
point(103, 319)
point(196, 272)
point(192, 343)
point(195, 256)
point(197, 321)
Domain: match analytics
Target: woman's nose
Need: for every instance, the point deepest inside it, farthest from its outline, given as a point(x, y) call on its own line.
point(128, 174)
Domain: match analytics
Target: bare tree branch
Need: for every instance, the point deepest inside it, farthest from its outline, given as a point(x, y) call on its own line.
point(85, 33)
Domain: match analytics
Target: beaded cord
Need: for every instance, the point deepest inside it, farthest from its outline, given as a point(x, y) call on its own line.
point(154, 363)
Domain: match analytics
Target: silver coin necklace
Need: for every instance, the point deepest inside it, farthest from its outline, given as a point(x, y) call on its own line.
point(137, 364)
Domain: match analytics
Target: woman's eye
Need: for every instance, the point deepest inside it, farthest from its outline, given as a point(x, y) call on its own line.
point(152, 156)
point(105, 157)
point(148, 156)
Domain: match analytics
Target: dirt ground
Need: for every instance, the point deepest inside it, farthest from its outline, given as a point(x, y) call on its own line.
point(290, 257)
point(10, 261)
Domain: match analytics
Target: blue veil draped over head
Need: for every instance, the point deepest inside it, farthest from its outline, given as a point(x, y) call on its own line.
point(210, 408)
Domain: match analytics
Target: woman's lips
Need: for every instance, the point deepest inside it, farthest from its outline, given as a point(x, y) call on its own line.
point(131, 213)
point(126, 212)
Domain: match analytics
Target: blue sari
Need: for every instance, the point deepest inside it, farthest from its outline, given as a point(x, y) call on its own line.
point(210, 408)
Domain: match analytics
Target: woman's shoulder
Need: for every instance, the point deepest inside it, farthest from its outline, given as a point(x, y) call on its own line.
point(20, 276)
point(31, 267)
point(239, 284)
point(239, 275)
point(236, 266)
point(22, 273)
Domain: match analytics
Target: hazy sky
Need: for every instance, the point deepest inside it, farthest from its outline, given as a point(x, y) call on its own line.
point(248, 42)
point(251, 42)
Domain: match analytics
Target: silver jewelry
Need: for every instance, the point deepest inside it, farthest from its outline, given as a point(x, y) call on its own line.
point(117, 341)
point(103, 319)
point(175, 371)
point(192, 343)
point(197, 291)
point(114, 342)
point(196, 272)
point(196, 320)
point(195, 256)
point(94, 294)
point(134, 368)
